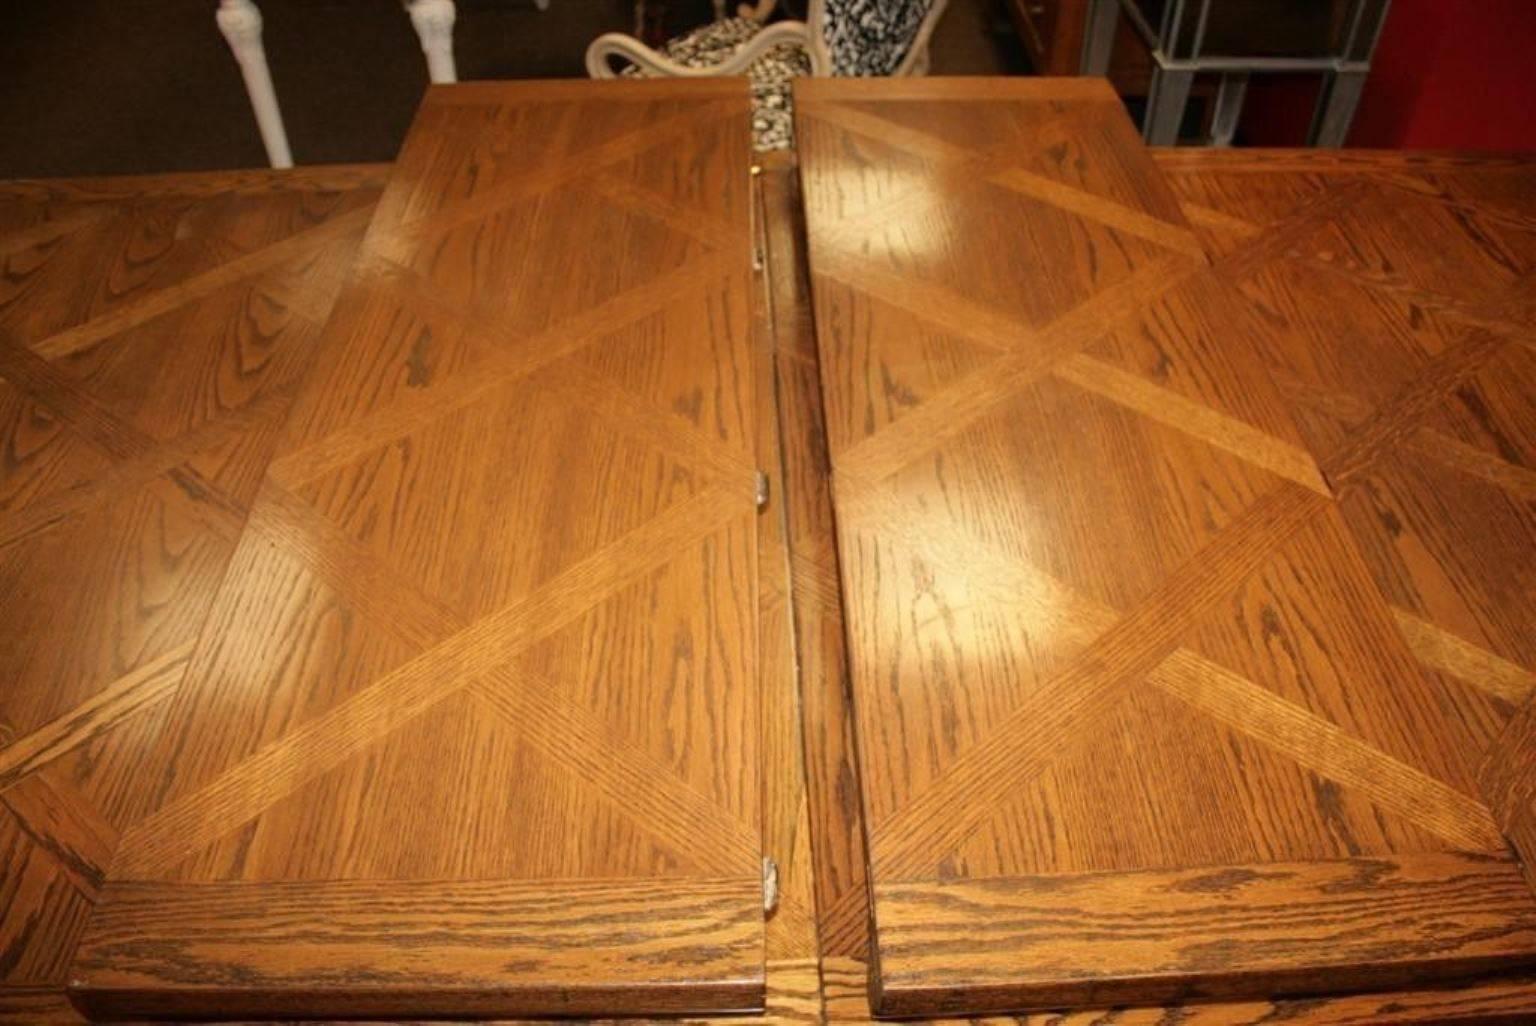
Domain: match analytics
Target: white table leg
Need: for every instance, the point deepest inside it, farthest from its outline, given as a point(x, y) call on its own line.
point(240, 22)
point(434, 24)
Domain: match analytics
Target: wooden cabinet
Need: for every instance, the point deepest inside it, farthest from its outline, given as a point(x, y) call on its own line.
point(1052, 32)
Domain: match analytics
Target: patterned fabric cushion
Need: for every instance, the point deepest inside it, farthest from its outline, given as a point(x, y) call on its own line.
point(770, 75)
point(864, 37)
point(870, 37)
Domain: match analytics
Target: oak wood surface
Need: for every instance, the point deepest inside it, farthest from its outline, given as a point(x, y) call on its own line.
point(393, 948)
point(152, 330)
point(842, 899)
point(53, 864)
point(80, 848)
point(74, 779)
point(1500, 1000)
point(1079, 937)
point(493, 618)
point(1111, 607)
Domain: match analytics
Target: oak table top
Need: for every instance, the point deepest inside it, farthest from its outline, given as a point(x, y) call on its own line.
point(470, 724)
point(1167, 659)
point(157, 332)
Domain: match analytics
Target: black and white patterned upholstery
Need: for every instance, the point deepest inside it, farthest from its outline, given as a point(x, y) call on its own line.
point(862, 37)
point(871, 37)
point(770, 75)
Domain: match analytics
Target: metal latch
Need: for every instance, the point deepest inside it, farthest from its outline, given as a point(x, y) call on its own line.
point(762, 490)
point(770, 885)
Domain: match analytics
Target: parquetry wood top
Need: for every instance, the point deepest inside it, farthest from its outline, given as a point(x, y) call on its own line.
point(489, 631)
point(125, 252)
point(1139, 592)
point(153, 332)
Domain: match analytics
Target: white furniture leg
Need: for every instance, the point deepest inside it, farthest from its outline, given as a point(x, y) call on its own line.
point(434, 24)
point(240, 22)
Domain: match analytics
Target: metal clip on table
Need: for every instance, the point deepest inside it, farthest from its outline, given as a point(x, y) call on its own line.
point(1236, 38)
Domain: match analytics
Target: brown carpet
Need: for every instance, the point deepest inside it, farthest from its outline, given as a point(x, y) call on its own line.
point(131, 86)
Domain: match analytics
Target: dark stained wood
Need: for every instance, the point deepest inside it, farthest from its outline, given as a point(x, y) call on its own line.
point(37, 1007)
point(503, 568)
point(789, 827)
point(1109, 606)
point(811, 548)
point(1503, 1000)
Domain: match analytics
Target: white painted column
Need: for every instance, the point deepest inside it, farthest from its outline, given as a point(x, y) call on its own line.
point(240, 22)
point(434, 24)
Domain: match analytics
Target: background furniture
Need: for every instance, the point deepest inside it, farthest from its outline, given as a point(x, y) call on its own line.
point(1237, 38)
point(841, 37)
point(240, 22)
point(348, 73)
point(838, 37)
point(1052, 32)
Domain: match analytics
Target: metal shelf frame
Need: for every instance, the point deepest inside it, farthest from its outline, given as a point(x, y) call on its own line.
point(1178, 55)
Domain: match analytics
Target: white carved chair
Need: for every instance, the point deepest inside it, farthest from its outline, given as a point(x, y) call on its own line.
point(240, 22)
point(838, 37)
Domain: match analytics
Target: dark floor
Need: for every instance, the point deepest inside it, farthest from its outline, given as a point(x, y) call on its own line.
point(128, 86)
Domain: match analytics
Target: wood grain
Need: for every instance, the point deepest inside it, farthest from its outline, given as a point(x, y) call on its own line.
point(145, 685)
point(826, 727)
point(1277, 375)
point(504, 567)
point(1207, 932)
point(65, 824)
point(152, 332)
point(1123, 536)
point(1507, 779)
point(349, 949)
point(1500, 1000)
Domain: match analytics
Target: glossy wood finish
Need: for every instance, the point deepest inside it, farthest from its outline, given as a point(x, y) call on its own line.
point(837, 835)
point(1076, 938)
point(831, 773)
point(492, 619)
point(792, 980)
point(77, 784)
point(75, 842)
point(1111, 607)
point(383, 947)
point(153, 332)
point(1439, 485)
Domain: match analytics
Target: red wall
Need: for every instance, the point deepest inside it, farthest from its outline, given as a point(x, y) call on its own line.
point(1448, 74)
